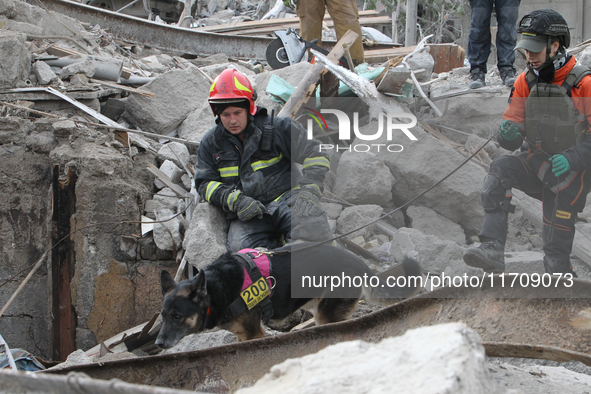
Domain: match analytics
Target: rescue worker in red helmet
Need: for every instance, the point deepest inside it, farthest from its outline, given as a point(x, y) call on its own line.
point(549, 113)
point(247, 163)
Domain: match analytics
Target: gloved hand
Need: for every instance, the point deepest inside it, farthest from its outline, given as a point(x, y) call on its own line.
point(509, 130)
point(307, 202)
point(560, 165)
point(290, 3)
point(245, 207)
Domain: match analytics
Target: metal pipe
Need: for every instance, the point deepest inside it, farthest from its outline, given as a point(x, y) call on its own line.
point(128, 5)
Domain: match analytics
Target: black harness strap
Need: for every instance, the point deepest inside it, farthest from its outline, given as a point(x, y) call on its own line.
point(239, 306)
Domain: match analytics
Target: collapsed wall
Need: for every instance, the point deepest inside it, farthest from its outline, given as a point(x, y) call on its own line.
point(113, 282)
point(25, 226)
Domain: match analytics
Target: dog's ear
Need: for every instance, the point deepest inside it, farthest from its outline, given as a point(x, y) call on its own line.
point(166, 282)
point(198, 287)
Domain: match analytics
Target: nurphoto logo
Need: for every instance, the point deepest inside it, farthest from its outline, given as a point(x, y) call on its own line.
point(394, 124)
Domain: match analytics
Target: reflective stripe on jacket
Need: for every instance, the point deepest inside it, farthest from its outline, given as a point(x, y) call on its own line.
point(225, 162)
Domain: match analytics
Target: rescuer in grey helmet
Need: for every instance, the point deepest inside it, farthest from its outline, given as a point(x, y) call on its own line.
point(548, 113)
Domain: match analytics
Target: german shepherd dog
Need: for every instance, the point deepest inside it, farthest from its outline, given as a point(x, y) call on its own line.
point(192, 305)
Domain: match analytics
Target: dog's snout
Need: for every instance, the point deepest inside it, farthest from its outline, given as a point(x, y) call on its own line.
point(159, 342)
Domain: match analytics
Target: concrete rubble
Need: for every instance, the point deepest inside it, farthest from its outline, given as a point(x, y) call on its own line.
point(439, 359)
point(135, 211)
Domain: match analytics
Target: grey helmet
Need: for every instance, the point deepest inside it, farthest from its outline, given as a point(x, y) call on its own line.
point(545, 22)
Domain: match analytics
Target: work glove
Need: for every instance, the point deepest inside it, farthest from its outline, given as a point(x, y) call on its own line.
point(245, 207)
point(560, 165)
point(509, 130)
point(290, 3)
point(307, 203)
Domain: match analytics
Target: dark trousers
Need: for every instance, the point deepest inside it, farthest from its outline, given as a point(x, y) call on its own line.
point(276, 227)
point(479, 40)
point(269, 232)
point(562, 198)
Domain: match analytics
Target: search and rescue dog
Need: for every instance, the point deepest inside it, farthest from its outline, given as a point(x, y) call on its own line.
point(239, 291)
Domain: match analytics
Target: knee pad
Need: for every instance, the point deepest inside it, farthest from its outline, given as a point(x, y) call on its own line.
point(494, 194)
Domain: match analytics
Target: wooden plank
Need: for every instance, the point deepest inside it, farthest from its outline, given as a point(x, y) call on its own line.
point(270, 25)
point(383, 20)
point(126, 72)
point(271, 22)
point(447, 57)
point(125, 88)
point(59, 51)
point(305, 89)
point(383, 55)
point(166, 180)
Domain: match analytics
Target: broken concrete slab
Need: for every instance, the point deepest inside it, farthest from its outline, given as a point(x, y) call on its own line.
point(216, 69)
point(129, 246)
point(165, 198)
point(475, 113)
point(167, 235)
point(450, 355)
point(422, 164)
point(54, 24)
point(187, 182)
point(526, 262)
point(474, 142)
point(63, 128)
point(7, 8)
point(176, 152)
point(291, 74)
point(430, 222)
point(44, 73)
point(172, 171)
point(152, 64)
point(332, 210)
point(422, 60)
point(357, 216)
point(521, 377)
point(217, 58)
point(433, 254)
point(205, 240)
point(178, 92)
point(202, 340)
point(85, 67)
point(20, 27)
point(41, 142)
point(12, 46)
point(199, 122)
point(354, 186)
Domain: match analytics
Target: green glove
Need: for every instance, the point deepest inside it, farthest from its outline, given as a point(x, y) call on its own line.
point(509, 130)
point(307, 202)
point(560, 165)
point(245, 207)
point(290, 3)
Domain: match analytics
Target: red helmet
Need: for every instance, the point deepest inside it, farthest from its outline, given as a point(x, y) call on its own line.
point(231, 86)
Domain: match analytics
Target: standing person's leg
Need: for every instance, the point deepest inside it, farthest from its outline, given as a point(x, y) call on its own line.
point(345, 15)
point(479, 40)
point(507, 11)
point(311, 14)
